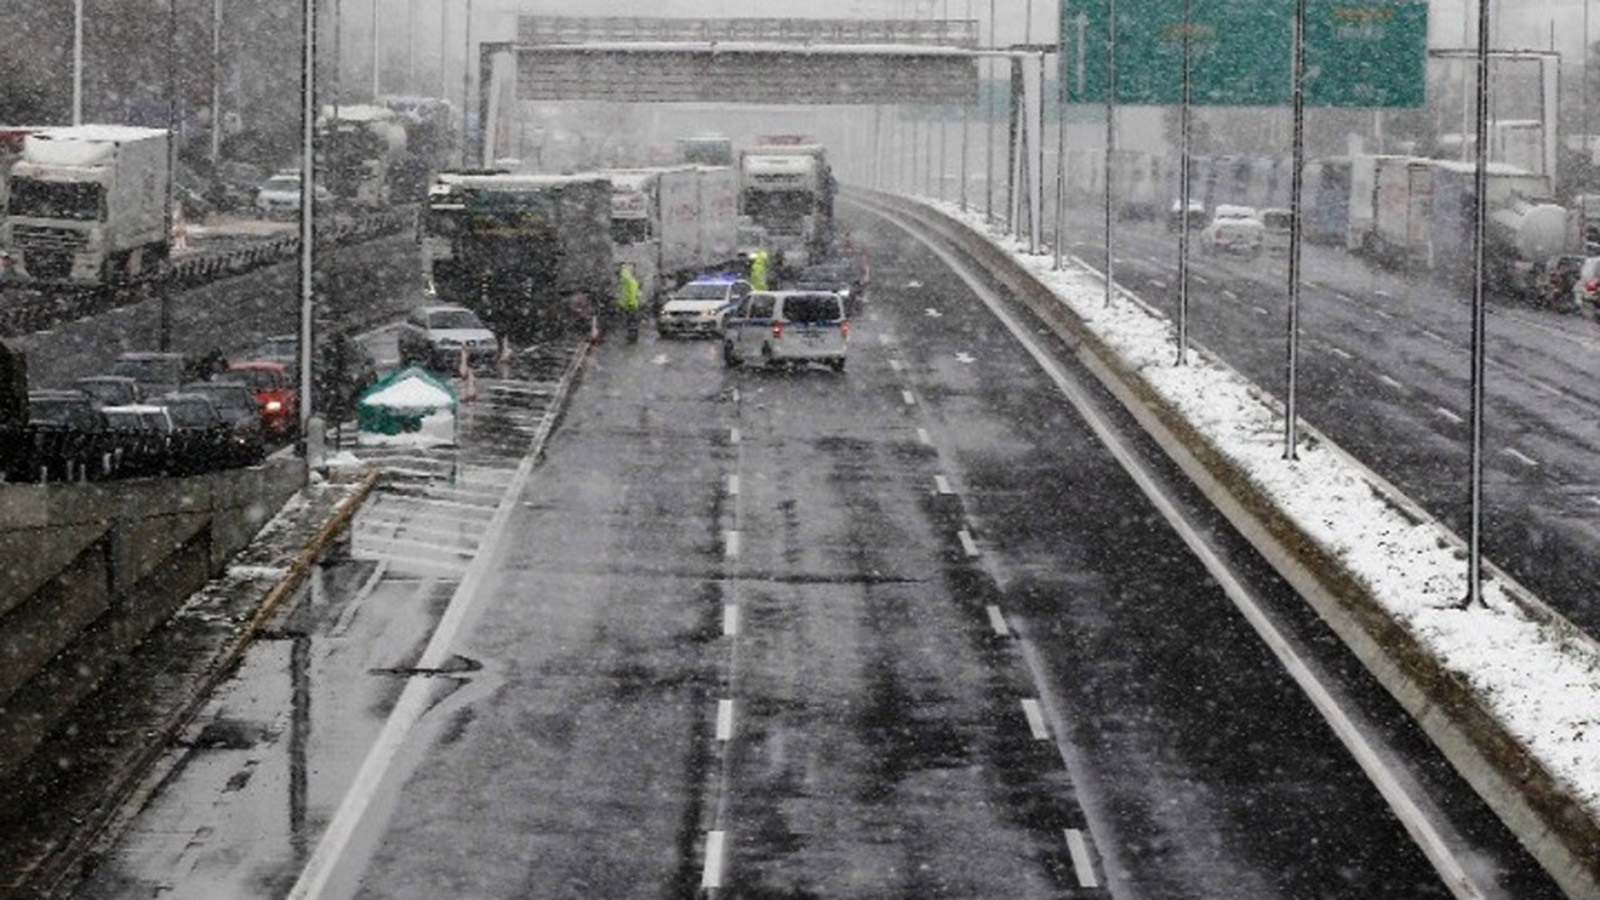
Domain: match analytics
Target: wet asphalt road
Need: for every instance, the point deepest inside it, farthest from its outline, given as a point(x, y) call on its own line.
point(908, 631)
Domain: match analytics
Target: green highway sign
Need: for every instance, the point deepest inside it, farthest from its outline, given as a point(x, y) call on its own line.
point(1359, 53)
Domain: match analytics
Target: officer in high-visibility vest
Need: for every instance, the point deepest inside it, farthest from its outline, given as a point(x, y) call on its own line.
point(758, 270)
point(628, 299)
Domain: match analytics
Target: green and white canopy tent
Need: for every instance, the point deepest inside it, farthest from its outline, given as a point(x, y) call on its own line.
point(400, 401)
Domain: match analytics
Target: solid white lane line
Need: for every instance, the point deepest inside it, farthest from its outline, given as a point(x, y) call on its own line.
point(967, 546)
point(724, 720)
point(734, 437)
point(1418, 825)
point(1519, 456)
point(1341, 352)
point(1392, 382)
point(730, 620)
point(1030, 709)
point(1449, 414)
point(711, 875)
point(997, 621)
point(941, 484)
point(923, 436)
point(733, 485)
point(1082, 862)
point(908, 397)
point(730, 544)
point(1547, 387)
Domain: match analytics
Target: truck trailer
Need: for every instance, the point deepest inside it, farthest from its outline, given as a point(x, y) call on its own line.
point(787, 189)
point(87, 204)
point(673, 223)
point(519, 249)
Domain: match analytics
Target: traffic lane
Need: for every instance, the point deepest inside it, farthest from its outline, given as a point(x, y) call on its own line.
point(1411, 426)
point(1164, 686)
point(881, 744)
point(579, 773)
point(360, 285)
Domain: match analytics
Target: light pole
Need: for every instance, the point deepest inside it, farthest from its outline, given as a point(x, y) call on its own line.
point(308, 118)
point(466, 86)
point(165, 328)
point(988, 148)
point(77, 62)
point(376, 66)
point(216, 81)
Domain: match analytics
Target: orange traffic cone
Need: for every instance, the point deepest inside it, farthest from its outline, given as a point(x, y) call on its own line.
point(180, 228)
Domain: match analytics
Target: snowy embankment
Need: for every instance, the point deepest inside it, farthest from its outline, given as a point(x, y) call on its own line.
point(1527, 674)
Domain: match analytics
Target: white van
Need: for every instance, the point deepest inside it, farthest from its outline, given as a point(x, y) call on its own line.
point(787, 327)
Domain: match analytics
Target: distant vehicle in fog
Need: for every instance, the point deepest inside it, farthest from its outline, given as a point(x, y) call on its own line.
point(279, 196)
point(110, 390)
point(1233, 229)
point(442, 338)
point(237, 406)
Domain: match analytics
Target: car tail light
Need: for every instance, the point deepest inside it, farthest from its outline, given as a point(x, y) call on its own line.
point(274, 406)
point(1592, 285)
point(777, 330)
point(844, 329)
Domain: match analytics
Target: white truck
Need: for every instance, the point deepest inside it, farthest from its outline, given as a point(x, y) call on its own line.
point(363, 150)
point(787, 189)
point(673, 223)
point(88, 204)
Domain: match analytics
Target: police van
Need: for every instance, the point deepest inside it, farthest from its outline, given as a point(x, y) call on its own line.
point(787, 327)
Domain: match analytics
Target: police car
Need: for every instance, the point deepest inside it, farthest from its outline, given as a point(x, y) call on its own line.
point(697, 308)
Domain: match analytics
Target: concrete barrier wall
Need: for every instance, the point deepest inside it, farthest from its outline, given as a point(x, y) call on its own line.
point(87, 570)
point(1555, 828)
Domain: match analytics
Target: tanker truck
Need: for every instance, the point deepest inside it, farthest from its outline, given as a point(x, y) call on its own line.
point(87, 205)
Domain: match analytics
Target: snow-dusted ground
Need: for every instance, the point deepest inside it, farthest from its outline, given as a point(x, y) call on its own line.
point(1542, 681)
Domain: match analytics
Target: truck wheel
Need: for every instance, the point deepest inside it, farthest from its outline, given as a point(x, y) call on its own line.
point(836, 364)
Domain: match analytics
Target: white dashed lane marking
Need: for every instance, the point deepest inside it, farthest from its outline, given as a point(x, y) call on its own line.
point(711, 876)
point(941, 484)
point(967, 545)
point(924, 437)
point(730, 620)
point(724, 720)
point(733, 485)
point(997, 620)
point(1449, 414)
point(731, 544)
point(908, 397)
point(1035, 717)
point(1341, 352)
point(1082, 863)
point(1392, 382)
point(1519, 456)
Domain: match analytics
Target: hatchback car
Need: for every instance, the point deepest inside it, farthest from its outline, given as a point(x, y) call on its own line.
point(110, 390)
point(279, 196)
point(143, 435)
point(1234, 229)
point(237, 406)
point(269, 382)
point(201, 438)
point(67, 437)
point(697, 308)
point(156, 373)
point(438, 337)
point(787, 328)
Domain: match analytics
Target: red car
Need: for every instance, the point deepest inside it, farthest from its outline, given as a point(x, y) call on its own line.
point(279, 401)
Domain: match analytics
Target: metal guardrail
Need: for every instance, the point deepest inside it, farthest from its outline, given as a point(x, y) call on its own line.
point(536, 30)
point(30, 310)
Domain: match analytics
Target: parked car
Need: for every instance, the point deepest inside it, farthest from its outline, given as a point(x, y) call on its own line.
point(437, 336)
point(110, 390)
point(1233, 229)
point(343, 368)
point(236, 404)
point(787, 327)
point(697, 307)
point(837, 276)
point(144, 437)
point(156, 373)
point(275, 396)
point(67, 437)
point(1197, 216)
point(201, 439)
point(279, 196)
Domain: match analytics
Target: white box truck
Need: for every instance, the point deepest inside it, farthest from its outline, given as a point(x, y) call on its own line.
point(673, 223)
point(88, 204)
